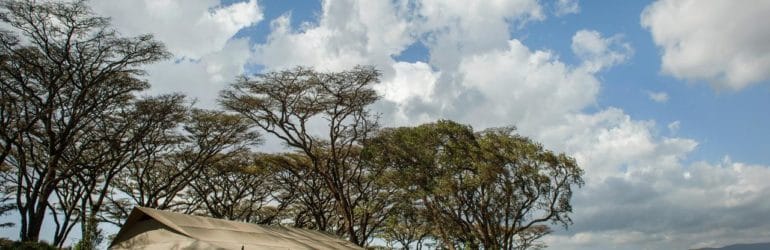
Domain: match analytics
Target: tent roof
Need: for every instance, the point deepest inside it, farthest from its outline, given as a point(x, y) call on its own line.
point(231, 233)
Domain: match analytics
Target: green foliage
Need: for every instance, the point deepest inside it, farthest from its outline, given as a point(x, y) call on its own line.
point(491, 189)
point(6, 244)
point(92, 235)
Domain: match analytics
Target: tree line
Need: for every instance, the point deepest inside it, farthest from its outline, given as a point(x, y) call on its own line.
point(80, 146)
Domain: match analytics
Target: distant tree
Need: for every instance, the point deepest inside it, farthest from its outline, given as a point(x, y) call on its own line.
point(108, 149)
point(62, 69)
point(238, 188)
point(170, 161)
point(491, 189)
point(406, 227)
point(310, 204)
point(289, 104)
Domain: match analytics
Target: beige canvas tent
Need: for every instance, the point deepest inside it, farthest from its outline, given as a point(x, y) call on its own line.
point(148, 228)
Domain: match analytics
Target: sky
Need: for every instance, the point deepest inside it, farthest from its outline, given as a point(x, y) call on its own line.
point(662, 103)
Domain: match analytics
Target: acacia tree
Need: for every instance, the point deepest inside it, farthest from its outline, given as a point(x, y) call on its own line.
point(162, 174)
point(61, 69)
point(406, 226)
point(109, 148)
point(308, 203)
point(491, 189)
point(289, 103)
point(239, 188)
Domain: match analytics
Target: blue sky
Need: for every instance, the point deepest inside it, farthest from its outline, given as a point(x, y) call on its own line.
point(663, 103)
point(724, 122)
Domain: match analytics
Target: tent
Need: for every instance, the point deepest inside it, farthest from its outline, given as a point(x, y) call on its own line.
point(148, 228)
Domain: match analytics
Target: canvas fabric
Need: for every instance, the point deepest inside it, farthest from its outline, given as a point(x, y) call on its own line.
point(156, 229)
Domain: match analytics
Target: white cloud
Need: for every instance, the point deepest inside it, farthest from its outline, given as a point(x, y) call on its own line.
point(659, 97)
point(721, 42)
point(199, 33)
point(565, 7)
point(348, 33)
point(528, 88)
point(190, 28)
point(598, 52)
point(316, 47)
point(409, 80)
point(458, 28)
point(201, 79)
point(606, 142)
point(514, 85)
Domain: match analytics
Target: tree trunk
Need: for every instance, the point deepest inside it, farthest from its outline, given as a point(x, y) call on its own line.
point(36, 216)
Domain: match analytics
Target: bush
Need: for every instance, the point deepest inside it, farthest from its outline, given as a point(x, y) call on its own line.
point(9, 244)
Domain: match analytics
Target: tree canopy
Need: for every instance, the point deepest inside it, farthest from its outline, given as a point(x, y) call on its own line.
point(63, 72)
point(491, 189)
point(287, 103)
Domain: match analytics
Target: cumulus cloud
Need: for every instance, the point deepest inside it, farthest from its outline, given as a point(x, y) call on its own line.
point(454, 29)
point(719, 42)
point(190, 29)
point(598, 52)
point(514, 85)
point(409, 80)
point(201, 79)
point(348, 33)
point(528, 88)
point(606, 142)
point(198, 32)
point(659, 97)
